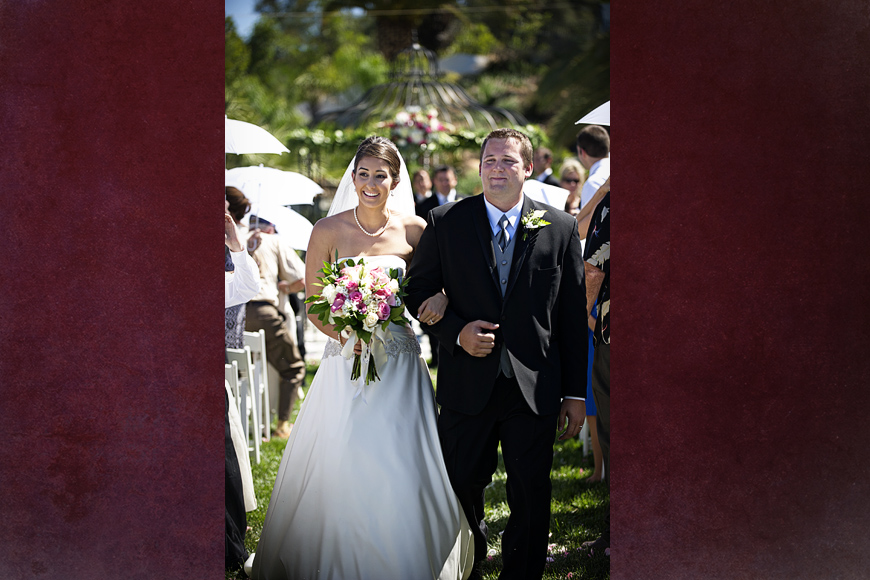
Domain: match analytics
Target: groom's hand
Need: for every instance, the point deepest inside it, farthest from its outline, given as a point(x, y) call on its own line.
point(475, 339)
point(574, 411)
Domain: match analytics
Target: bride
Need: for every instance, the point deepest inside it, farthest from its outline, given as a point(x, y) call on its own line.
point(362, 492)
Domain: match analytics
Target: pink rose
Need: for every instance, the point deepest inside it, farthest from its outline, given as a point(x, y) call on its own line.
point(383, 310)
point(356, 297)
point(380, 277)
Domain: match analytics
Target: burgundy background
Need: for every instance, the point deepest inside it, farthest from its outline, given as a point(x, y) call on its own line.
point(740, 320)
point(110, 361)
point(740, 328)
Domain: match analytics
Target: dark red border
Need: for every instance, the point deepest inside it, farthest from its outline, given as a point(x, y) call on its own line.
point(740, 367)
point(740, 334)
point(112, 410)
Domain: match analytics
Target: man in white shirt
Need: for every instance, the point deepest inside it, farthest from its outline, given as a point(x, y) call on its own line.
point(444, 180)
point(422, 185)
point(281, 269)
point(543, 161)
point(593, 149)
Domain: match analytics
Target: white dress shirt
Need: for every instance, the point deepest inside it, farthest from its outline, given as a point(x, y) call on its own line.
point(598, 174)
point(494, 215)
point(442, 199)
point(243, 283)
point(544, 174)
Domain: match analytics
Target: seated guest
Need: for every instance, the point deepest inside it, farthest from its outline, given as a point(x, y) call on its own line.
point(571, 177)
point(240, 285)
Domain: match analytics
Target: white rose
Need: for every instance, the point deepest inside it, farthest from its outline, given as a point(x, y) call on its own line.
point(393, 285)
point(329, 292)
point(371, 320)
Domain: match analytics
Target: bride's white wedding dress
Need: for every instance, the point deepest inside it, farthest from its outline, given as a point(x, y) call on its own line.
point(362, 492)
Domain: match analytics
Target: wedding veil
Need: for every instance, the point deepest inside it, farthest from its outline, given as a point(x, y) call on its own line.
point(401, 198)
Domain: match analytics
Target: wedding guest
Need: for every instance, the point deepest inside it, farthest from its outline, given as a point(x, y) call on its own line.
point(444, 179)
point(593, 149)
point(281, 270)
point(237, 205)
point(422, 185)
point(240, 285)
point(571, 177)
point(584, 216)
point(543, 161)
point(596, 258)
point(591, 409)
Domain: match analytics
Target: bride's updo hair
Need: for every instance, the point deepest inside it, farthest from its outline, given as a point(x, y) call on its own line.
point(380, 148)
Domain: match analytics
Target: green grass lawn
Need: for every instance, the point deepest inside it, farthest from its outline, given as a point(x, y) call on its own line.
point(578, 509)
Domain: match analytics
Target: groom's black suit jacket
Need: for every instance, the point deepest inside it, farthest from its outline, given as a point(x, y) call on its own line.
point(542, 317)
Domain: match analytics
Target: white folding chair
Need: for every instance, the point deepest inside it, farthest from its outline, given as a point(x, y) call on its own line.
point(586, 438)
point(256, 341)
point(248, 398)
point(231, 374)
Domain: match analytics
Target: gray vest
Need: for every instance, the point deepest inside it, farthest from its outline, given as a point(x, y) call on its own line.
point(503, 261)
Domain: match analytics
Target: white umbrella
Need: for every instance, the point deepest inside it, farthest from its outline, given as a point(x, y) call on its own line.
point(598, 116)
point(546, 193)
point(241, 137)
point(268, 185)
point(292, 226)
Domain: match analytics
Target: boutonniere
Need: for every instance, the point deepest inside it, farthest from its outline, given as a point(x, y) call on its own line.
point(533, 221)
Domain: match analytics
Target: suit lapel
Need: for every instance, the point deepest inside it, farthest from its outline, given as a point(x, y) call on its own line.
point(521, 246)
point(484, 234)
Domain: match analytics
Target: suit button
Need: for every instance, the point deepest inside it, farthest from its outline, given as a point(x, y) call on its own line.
point(504, 281)
point(504, 262)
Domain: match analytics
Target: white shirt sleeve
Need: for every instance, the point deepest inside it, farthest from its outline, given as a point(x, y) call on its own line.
point(244, 283)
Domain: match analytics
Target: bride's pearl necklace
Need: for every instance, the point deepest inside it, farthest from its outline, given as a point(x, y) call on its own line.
point(377, 233)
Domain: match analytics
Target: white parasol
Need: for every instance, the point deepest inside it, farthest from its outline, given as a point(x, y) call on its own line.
point(598, 116)
point(268, 185)
point(241, 137)
point(292, 226)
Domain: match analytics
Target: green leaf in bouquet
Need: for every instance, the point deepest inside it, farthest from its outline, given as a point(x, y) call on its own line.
point(313, 298)
point(318, 307)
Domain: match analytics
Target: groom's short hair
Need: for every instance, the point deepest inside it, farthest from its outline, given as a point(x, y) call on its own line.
point(525, 145)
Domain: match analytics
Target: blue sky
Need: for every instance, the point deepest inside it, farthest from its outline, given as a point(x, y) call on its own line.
point(243, 15)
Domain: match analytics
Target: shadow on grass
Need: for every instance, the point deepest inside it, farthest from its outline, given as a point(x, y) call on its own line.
point(577, 509)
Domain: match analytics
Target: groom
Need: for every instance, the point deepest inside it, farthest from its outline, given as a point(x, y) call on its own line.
point(512, 366)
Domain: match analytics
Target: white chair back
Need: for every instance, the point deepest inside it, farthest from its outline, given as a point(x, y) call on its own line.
point(248, 398)
point(256, 342)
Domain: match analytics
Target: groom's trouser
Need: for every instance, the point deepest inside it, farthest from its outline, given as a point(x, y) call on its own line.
point(470, 447)
point(601, 392)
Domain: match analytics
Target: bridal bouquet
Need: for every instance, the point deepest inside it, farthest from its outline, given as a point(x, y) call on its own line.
point(363, 301)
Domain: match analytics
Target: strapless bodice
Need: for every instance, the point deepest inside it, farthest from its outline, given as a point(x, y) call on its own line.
point(386, 261)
